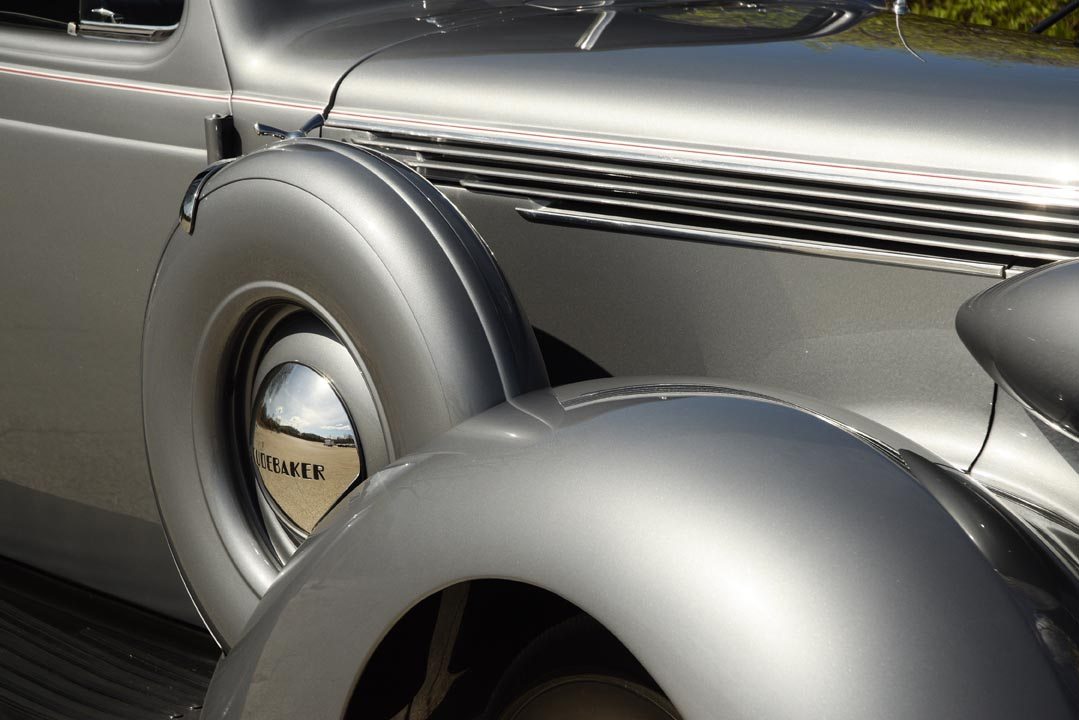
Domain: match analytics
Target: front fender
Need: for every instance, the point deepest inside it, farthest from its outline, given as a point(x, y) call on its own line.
point(760, 560)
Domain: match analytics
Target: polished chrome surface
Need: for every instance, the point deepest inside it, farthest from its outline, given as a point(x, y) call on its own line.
point(190, 203)
point(107, 14)
point(757, 167)
point(313, 123)
point(927, 221)
point(303, 444)
point(595, 30)
point(685, 232)
point(460, 155)
point(810, 226)
point(964, 232)
point(122, 31)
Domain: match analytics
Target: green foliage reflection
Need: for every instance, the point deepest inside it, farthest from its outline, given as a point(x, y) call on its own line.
point(1007, 14)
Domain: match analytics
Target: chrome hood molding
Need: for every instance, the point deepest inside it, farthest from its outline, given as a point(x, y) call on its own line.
point(986, 233)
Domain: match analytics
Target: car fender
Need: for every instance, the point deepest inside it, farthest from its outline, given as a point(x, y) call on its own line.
point(759, 558)
point(387, 266)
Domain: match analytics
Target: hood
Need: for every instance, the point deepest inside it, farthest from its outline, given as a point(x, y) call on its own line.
point(823, 84)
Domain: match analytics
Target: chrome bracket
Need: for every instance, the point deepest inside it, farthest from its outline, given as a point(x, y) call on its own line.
point(194, 193)
point(314, 123)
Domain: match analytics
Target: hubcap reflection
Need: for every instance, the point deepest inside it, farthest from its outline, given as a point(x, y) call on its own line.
point(303, 444)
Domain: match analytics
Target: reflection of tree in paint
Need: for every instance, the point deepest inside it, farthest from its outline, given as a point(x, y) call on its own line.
point(986, 29)
point(1005, 14)
point(297, 401)
point(976, 42)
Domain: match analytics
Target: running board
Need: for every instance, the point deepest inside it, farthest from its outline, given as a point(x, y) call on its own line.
point(67, 652)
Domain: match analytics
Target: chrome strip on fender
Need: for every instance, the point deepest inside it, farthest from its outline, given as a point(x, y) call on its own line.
point(805, 170)
point(190, 202)
point(832, 250)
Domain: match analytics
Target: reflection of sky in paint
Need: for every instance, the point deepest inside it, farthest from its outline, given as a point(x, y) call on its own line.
point(300, 398)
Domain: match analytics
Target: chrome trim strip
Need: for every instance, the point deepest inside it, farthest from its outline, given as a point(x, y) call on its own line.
point(683, 232)
point(1016, 270)
point(901, 221)
point(595, 30)
point(190, 203)
point(988, 189)
point(690, 178)
point(809, 225)
point(124, 31)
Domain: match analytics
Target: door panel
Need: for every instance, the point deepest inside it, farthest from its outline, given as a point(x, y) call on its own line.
point(98, 140)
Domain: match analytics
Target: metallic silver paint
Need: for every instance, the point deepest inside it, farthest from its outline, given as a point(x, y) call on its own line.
point(1025, 333)
point(114, 132)
point(380, 259)
point(815, 577)
point(755, 106)
point(98, 140)
point(1019, 459)
point(877, 340)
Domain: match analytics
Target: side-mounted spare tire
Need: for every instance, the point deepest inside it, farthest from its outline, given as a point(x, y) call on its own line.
point(325, 257)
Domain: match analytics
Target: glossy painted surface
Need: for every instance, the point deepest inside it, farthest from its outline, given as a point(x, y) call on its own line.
point(875, 339)
point(684, 77)
point(1027, 459)
point(378, 257)
point(687, 86)
point(99, 139)
point(97, 142)
point(1025, 333)
point(816, 577)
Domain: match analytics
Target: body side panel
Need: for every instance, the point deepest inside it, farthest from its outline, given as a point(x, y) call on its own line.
point(98, 141)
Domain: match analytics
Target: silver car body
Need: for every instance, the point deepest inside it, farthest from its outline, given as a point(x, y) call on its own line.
point(797, 207)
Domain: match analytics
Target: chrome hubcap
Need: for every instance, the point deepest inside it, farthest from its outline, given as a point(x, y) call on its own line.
point(309, 427)
point(304, 446)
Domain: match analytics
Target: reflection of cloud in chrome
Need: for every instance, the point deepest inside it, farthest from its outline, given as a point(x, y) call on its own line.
point(304, 400)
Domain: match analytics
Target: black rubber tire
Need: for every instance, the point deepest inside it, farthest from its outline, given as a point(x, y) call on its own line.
point(577, 647)
point(384, 261)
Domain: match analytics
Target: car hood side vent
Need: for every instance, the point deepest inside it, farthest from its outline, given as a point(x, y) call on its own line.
point(944, 229)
